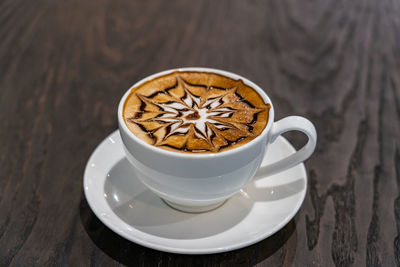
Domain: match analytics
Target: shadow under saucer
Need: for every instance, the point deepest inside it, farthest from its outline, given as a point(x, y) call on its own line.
point(281, 245)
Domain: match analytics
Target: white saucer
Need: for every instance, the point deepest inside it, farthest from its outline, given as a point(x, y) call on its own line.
point(128, 208)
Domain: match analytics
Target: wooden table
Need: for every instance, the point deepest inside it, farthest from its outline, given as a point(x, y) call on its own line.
point(64, 65)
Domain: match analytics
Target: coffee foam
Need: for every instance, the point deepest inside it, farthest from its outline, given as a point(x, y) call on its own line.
point(195, 112)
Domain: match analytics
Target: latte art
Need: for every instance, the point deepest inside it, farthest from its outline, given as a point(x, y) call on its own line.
point(195, 112)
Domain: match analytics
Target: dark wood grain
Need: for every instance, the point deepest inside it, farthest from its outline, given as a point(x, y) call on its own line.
point(65, 64)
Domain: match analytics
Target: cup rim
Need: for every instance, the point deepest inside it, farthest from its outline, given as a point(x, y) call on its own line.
point(124, 127)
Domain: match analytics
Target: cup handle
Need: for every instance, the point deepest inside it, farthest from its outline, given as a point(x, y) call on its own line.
point(291, 123)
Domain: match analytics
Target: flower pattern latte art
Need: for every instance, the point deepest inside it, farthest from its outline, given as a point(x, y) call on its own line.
point(189, 117)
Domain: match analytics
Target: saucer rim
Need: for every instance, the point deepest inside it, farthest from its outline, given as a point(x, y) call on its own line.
point(190, 251)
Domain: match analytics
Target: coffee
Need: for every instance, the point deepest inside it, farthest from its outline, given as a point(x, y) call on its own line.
point(195, 112)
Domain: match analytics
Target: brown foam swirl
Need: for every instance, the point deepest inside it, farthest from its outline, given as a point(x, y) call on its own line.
point(195, 112)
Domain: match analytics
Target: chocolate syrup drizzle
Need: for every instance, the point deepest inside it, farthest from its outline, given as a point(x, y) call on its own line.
point(192, 116)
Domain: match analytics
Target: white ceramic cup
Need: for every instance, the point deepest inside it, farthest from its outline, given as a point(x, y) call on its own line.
point(200, 182)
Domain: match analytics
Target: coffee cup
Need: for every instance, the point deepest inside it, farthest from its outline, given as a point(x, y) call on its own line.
point(198, 182)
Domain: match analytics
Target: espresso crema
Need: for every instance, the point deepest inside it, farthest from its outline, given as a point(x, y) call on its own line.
point(195, 112)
